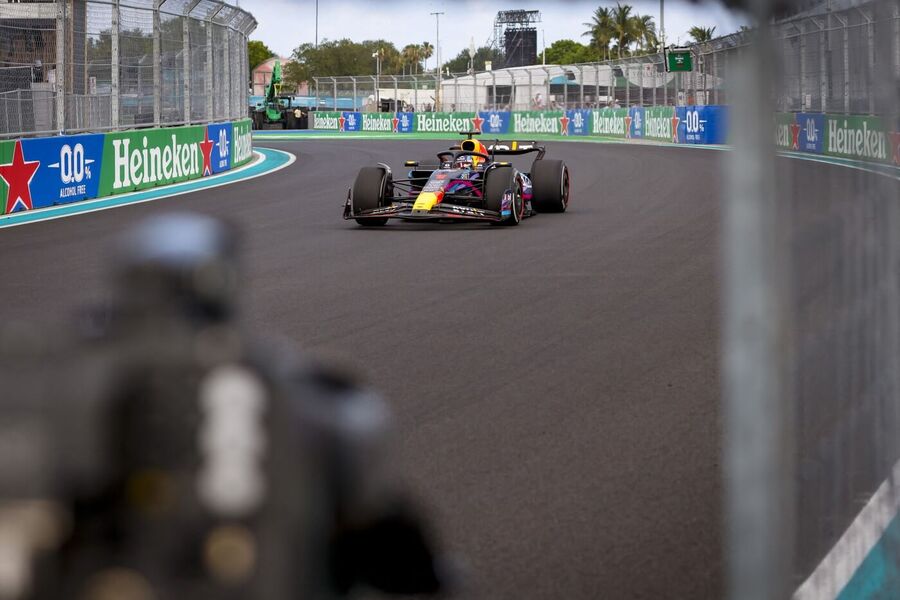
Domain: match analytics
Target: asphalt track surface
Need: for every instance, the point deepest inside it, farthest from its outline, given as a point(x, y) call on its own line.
point(556, 384)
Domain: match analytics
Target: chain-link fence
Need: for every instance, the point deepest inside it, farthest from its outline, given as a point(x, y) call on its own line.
point(827, 63)
point(811, 306)
point(101, 65)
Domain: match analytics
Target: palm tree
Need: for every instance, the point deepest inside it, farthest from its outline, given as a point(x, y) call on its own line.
point(623, 27)
point(427, 52)
point(701, 34)
point(600, 30)
point(411, 57)
point(645, 29)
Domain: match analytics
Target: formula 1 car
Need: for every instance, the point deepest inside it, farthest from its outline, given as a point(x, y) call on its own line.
point(467, 183)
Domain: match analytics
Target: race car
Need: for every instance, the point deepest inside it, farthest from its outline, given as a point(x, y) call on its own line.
point(467, 183)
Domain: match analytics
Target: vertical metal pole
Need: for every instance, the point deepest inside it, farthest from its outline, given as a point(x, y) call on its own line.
point(209, 69)
point(626, 71)
point(415, 93)
point(641, 82)
point(316, 81)
point(226, 64)
point(611, 90)
point(716, 80)
point(355, 96)
point(494, 88)
point(870, 73)
point(115, 67)
point(186, 56)
point(823, 66)
point(335, 94)
point(456, 93)
point(396, 94)
point(665, 76)
point(846, 39)
point(597, 84)
point(800, 84)
point(580, 87)
point(757, 463)
point(61, 66)
point(157, 65)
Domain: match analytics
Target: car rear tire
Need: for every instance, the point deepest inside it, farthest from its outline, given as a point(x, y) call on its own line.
point(497, 182)
point(550, 186)
point(372, 186)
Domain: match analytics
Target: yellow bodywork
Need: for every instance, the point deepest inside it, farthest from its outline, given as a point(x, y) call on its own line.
point(427, 200)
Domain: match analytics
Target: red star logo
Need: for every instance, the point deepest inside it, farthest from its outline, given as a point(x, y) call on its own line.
point(895, 146)
point(18, 175)
point(341, 121)
point(206, 147)
point(477, 122)
point(396, 122)
point(675, 122)
point(795, 136)
point(564, 124)
point(628, 126)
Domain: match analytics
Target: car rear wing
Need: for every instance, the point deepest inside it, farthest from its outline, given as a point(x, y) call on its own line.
point(515, 148)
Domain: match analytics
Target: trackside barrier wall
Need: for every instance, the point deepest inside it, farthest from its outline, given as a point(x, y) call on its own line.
point(43, 172)
point(854, 137)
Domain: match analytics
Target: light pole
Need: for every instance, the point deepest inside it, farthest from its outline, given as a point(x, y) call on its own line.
point(662, 25)
point(437, 69)
point(377, 57)
point(317, 24)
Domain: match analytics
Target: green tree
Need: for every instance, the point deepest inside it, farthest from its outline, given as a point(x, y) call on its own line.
point(701, 34)
point(335, 58)
point(411, 55)
point(460, 63)
point(427, 52)
point(258, 53)
point(624, 28)
point(567, 52)
point(645, 29)
point(600, 30)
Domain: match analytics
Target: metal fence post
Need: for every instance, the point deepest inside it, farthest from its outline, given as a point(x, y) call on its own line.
point(456, 105)
point(316, 83)
point(355, 95)
point(415, 94)
point(580, 87)
point(716, 80)
point(870, 72)
point(226, 63)
point(157, 65)
point(597, 86)
point(823, 65)
point(801, 82)
point(115, 68)
point(396, 95)
point(61, 66)
point(209, 68)
point(846, 59)
point(334, 97)
point(186, 56)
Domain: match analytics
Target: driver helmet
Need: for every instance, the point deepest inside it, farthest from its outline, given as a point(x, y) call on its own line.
point(464, 162)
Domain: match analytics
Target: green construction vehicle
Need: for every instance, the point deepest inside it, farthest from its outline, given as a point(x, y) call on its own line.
point(276, 112)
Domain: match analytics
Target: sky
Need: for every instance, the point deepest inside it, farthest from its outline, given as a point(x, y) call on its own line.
point(285, 24)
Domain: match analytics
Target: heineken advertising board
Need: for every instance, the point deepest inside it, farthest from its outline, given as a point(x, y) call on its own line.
point(43, 172)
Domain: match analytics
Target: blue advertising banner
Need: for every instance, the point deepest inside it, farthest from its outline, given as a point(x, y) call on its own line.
point(579, 122)
point(406, 122)
point(701, 124)
point(350, 121)
point(220, 135)
point(812, 132)
point(68, 170)
point(638, 118)
point(495, 121)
